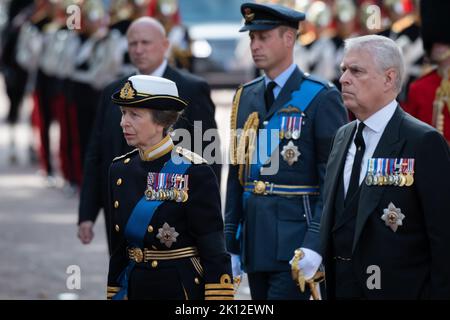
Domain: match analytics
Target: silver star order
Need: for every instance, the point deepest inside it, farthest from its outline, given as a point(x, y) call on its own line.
point(290, 153)
point(393, 217)
point(167, 235)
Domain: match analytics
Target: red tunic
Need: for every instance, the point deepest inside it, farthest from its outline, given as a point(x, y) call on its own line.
point(420, 100)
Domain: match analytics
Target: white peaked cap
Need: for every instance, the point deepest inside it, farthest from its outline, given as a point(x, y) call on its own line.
point(153, 85)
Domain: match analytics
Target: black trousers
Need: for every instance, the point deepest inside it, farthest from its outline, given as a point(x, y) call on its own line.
point(170, 280)
point(275, 286)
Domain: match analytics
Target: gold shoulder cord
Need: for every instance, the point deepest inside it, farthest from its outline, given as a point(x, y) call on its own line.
point(246, 144)
point(233, 124)
point(442, 97)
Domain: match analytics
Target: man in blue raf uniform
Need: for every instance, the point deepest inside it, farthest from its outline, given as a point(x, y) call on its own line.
point(167, 238)
point(270, 214)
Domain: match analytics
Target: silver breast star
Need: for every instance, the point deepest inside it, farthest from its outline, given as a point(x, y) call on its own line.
point(167, 235)
point(290, 153)
point(393, 217)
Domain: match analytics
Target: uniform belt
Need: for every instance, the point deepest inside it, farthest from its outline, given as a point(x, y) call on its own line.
point(144, 255)
point(268, 188)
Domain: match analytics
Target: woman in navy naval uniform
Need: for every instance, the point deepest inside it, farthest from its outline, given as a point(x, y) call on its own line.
point(166, 234)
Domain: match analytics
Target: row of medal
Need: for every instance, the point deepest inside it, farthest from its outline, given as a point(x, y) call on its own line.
point(390, 172)
point(167, 186)
point(291, 127)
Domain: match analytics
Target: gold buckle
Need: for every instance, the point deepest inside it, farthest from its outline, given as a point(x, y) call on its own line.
point(137, 255)
point(260, 187)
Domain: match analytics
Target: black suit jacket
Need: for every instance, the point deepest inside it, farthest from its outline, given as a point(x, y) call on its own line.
point(107, 141)
point(414, 261)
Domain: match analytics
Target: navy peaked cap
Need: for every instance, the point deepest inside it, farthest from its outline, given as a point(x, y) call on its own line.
point(269, 16)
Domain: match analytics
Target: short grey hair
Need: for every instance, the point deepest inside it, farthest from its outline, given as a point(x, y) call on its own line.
point(384, 51)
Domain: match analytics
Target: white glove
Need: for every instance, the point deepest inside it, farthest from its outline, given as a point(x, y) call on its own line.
point(236, 265)
point(309, 263)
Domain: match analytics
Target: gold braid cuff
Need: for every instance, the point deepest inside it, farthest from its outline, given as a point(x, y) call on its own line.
point(224, 290)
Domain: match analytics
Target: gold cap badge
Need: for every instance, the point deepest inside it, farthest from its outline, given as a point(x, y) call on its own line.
point(127, 92)
point(248, 15)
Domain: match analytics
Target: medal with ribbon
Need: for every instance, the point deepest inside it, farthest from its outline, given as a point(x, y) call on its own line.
point(167, 186)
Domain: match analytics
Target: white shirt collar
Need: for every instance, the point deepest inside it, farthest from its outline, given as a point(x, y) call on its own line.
point(160, 70)
point(282, 77)
point(379, 120)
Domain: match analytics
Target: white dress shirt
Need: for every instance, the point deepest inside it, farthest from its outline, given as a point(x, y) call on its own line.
point(280, 80)
point(375, 126)
point(160, 70)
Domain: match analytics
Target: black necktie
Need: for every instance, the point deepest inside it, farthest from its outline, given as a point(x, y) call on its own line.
point(268, 94)
point(356, 168)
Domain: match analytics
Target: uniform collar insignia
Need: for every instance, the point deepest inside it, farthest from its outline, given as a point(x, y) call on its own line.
point(158, 150)
point(393, 217)
point(167, 235)
point(290, 153)
point(127, 92)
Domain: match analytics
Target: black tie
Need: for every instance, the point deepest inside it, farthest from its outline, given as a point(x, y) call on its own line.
point(268, 94)
point(356, 168)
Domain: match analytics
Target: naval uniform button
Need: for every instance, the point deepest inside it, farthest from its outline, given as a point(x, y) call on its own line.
point(119, 181)
point(126, 160)
point(154, 263)
point(304, 215)
point(117, 228)
point(150, 229)
point(116, 204)
point(196, 280)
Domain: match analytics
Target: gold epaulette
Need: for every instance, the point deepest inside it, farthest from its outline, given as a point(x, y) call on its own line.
point(125, 155)
point(220, 291)
point(191, 156)
point(233, 126)
point(111, 292)
point(247, 144)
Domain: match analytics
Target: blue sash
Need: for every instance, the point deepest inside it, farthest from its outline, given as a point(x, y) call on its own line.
point(138, 222)
point(301, 99)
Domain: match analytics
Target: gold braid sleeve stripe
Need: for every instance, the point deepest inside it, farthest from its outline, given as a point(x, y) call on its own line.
point(112, 289)
point(233, 126)
point(219, 292)
point(219, 298)
point(220, 286)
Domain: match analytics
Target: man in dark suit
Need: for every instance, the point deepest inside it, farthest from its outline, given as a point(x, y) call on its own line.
point(386, 209)
point(147, 45)
point(274, 205)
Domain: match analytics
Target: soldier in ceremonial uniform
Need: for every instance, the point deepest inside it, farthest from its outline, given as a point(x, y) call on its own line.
point(385, 221)
point(167, 237)
point(270, 213)
point(429, 96)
